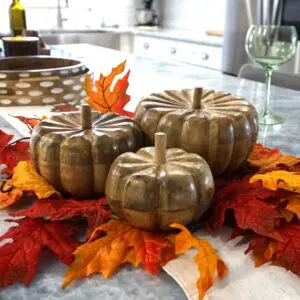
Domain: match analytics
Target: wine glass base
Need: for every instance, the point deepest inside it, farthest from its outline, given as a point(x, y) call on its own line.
point(270, 120)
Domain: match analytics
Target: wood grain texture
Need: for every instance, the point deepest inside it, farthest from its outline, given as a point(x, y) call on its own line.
point(151, 195)
point(76, 159)
point(220, 127)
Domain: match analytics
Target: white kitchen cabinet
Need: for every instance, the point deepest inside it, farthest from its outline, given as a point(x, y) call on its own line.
point(194, 53)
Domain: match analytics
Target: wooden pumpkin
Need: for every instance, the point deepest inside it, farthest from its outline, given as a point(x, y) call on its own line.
point(73, 151)
point(155, 187)
point(220, 127)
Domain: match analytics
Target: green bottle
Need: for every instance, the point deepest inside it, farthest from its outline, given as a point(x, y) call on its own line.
point(17, 18)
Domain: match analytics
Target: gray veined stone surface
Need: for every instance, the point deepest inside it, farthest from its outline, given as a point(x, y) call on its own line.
point(244, 281)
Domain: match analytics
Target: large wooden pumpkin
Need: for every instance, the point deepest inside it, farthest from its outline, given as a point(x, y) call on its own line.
point(220, 127)
point(73, 151)
point(155, 187)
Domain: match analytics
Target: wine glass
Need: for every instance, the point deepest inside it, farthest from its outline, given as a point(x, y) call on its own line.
point(270, 46)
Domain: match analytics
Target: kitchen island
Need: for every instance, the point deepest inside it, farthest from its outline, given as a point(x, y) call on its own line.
point(244, 280)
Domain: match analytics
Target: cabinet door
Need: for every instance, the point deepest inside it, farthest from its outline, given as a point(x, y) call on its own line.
point(193, 53)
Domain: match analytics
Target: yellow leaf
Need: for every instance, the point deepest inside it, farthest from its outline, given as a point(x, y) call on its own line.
point(208, 262)
point(274, 180)
point(26, 178)
point(121, 244)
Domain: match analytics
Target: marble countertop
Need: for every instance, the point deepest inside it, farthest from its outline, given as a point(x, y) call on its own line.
point(244, 281)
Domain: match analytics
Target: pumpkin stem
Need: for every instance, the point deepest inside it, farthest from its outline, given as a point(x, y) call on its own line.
point(160, 148)
point(196, 104)
point(86, 117)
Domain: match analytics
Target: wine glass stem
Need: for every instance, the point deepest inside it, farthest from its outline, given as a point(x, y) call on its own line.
point(268, 90)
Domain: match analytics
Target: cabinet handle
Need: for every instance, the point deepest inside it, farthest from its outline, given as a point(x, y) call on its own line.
point(146, 46)
point(173, 50)
point(204, 56)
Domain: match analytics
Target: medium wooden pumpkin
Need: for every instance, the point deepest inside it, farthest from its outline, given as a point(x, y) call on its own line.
point(155, 187)
point(220, 127)
point(73, 151)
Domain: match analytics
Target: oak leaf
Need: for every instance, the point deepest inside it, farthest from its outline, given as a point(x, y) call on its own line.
point(262, 156)
point(26, 178)
point(12, 152)
point(95, 212)
point(275, 180)
point(208, 262)
point(122, 243)
point(106, 97)
point(19, 259)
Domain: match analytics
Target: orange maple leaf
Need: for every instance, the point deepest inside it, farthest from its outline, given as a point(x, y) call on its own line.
point(209, 263)
point(106, 97)
point(122, 243)
point(262, 156)
point(263, 250)
point(293, 204)
point(284, 161)
point(9, 195)
point(275, 180)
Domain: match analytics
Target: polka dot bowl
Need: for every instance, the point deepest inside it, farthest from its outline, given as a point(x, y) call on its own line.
point(40, 80)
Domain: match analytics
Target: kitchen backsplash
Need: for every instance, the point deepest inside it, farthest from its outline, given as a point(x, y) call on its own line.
point(179, 14)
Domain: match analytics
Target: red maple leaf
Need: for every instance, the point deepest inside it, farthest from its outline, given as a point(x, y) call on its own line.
point(250, 211)
point(284, 253)
point(12, 152)
point(19, 259)
point(96, 212)
point(29, 122)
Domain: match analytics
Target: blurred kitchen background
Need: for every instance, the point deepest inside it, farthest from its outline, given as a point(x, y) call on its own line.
point(205, 33)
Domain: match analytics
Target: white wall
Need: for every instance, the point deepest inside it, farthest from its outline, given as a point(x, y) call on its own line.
point(192, 14)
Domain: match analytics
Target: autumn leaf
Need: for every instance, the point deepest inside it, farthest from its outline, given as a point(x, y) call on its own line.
point(285, 253)
point(10, 196)
point(284, 162)
point(19, 259)
point(4, 139)
point(94, 211)
point(263, 249)
point(12, 152)
point(30, 122)
point(122, 243)
point(64, 107)
point(106, 97)
point(275, 180)
point(26, 178)
point(208, 262)
point(249, 211)
point(262, 156)
point(293, 204)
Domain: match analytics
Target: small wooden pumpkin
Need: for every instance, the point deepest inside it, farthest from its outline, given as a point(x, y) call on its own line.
point(157, 187)
point(220, 127)
point(73, 151)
